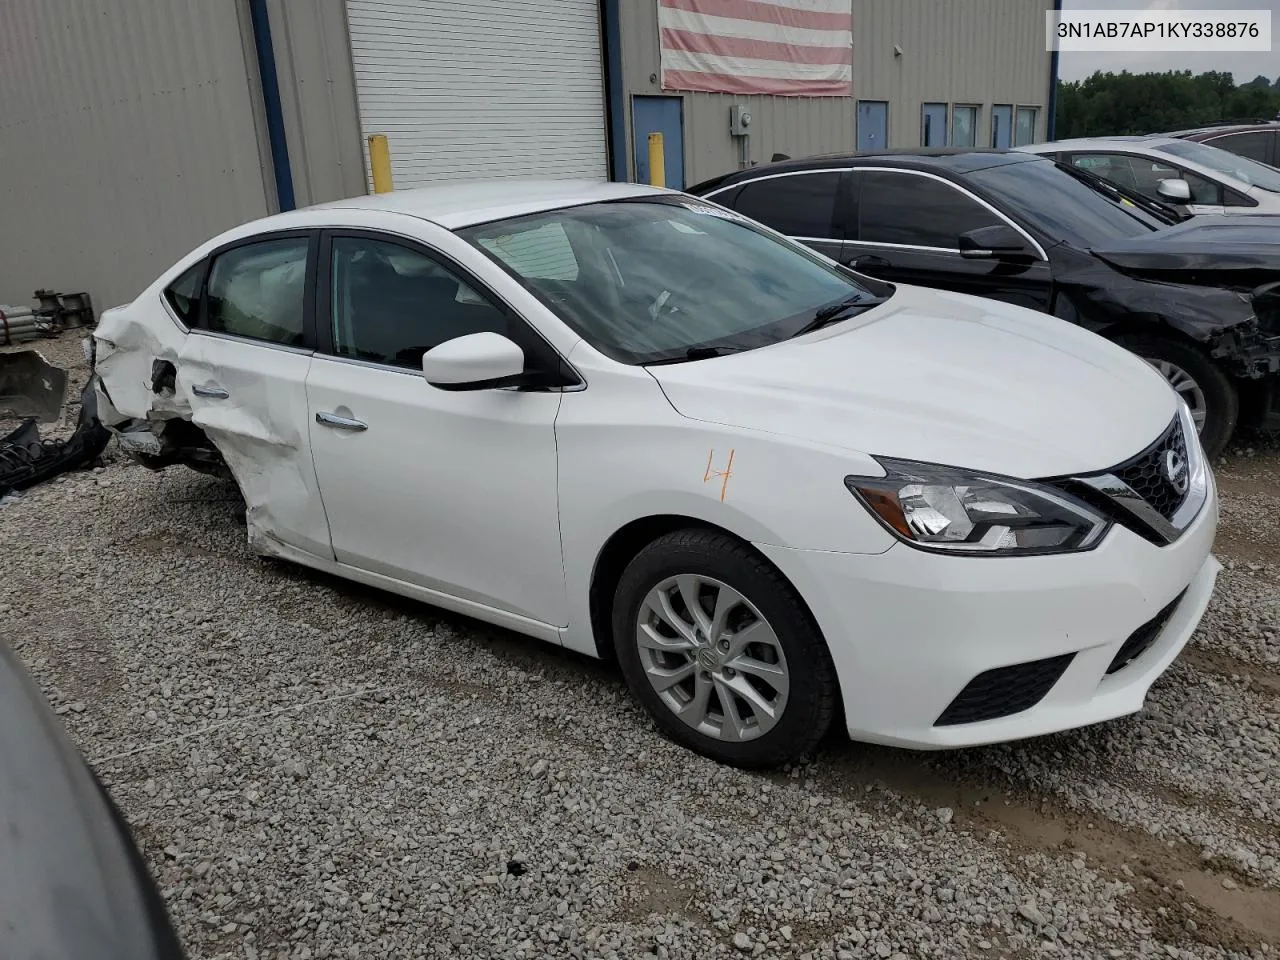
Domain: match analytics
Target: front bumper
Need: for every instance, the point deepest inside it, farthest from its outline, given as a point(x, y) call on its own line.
point(909, 630)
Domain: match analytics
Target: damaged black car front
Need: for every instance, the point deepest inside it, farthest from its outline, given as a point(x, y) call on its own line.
point(1197, 298)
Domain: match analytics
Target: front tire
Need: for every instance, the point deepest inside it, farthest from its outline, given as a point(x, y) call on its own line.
point(721, 651)
point(1208, 391)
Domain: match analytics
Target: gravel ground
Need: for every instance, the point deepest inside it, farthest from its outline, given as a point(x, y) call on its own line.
point(314, 769)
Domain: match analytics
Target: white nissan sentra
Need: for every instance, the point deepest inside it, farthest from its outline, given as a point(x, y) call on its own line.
point(641, 426)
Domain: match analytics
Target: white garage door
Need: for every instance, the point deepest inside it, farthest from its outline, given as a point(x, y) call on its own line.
point(480, 88)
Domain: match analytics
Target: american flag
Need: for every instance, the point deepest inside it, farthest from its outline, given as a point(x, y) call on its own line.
point(793, 48)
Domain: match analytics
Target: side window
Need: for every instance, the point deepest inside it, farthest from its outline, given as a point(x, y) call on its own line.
point(1202, 190)
point(1110, 166)
point(391, 304)
point(907, 208)
point(1251, 145)
point(183, 294)
point(800, 205)
point(258, 291)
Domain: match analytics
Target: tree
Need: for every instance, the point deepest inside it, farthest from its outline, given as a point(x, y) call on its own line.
point(1133, 103)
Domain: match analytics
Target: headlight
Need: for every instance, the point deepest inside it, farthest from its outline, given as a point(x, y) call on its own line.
point(950, 510)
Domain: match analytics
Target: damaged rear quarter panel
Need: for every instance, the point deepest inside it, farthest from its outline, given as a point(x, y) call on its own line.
point(128, 342)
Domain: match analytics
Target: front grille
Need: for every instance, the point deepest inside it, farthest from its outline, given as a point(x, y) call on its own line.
point(1004, 691)
point(1147, 473)
point(1141, 639)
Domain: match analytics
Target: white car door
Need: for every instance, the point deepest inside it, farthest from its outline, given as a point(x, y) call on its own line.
point(454, 491)
point(244, 369)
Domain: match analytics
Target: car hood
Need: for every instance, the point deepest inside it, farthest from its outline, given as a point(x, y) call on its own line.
point(944, 378)
point(1204, 243)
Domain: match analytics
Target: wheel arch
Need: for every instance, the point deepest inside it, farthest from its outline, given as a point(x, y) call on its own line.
point(624, 544)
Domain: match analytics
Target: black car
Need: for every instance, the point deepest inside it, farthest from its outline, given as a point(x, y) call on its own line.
point(1199, 300)
point(73, 885)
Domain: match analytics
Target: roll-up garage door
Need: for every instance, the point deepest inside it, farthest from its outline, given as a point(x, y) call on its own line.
point(481, 88)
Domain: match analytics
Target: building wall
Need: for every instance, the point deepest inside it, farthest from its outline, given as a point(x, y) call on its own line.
point(318, 99)
point(958, 51)
point(128, 133)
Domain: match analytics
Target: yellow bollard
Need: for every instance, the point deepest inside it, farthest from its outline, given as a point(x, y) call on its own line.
point(380, 163)
point(657, 161)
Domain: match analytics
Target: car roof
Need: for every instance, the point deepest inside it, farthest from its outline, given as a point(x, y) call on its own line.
point(1099, 143)
point(1217, 130)
point(951, 159)
point(463, 203)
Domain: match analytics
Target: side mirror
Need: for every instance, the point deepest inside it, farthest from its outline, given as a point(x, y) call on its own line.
point(1175, 189)
point(997, 242)
point(478, 361)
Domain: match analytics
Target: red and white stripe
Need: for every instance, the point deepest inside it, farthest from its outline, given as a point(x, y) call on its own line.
point(793, 48)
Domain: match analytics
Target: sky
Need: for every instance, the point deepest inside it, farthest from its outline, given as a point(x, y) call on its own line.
point(1244, 66)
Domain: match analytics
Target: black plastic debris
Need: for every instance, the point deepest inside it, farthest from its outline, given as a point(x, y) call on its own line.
point(26, 460)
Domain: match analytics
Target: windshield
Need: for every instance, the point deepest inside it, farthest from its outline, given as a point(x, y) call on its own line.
point(1241, 168)
point(1060, 206)
point(652, 279)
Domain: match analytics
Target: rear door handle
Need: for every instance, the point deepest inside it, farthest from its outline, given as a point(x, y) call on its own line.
point(212, 393)
point(340, 423)
point(868, 261)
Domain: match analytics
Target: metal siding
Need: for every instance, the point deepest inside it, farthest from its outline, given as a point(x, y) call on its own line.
point(963, 51)
point(465, 89)
point(318, 99)
point(127, 136)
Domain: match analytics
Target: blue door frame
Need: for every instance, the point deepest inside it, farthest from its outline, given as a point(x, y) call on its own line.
point(664, 115)
point(873, 124)
point(933, 125)
point(1002, 126)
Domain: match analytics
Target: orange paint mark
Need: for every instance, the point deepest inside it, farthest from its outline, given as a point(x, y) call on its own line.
point(724, 474)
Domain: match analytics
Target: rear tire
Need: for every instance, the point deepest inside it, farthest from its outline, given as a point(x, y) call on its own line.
point(1199, 381)
point(751, 642)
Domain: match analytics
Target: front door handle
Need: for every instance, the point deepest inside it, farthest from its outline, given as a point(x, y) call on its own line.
point(868, 262)
point(212, 393)
point(340, 423)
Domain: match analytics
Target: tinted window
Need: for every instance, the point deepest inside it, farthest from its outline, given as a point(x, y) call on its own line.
point(801, 205)
point(1047, 197)
point(1251, 145)
point(912, 209)
point(258, 290)
point(655, 277)
point(391, 304)
point(184, 293)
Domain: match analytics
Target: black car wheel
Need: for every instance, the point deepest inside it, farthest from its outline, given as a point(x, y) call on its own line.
point(1207, 390)
point(721, 651)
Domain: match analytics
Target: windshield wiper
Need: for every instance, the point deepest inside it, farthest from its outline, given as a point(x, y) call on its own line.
point(1117, 194)
point(694, 353)
point(835, 312)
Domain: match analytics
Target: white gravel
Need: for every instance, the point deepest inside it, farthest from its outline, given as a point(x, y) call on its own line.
point(317, 770)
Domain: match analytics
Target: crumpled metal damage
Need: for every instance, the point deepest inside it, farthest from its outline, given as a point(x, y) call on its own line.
point(1226, 320)
point(144, 379)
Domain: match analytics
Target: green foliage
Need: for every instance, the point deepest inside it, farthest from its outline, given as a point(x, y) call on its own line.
point(1107, 104)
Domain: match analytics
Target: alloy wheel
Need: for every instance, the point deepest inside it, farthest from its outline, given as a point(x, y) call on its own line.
point(1186, 387)
point(712, 658)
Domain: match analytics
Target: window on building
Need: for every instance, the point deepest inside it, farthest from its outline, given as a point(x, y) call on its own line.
point(257, 290)
point(1024, 128)
point(1002, 126)
point(799, 205)
point(964, 126)
point(933, 125)
point(907, 208)
point(392, 304)
point(184, 293)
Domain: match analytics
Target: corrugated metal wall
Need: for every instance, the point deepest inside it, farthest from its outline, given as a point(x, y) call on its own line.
point(956, 51)
point(127, 135)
